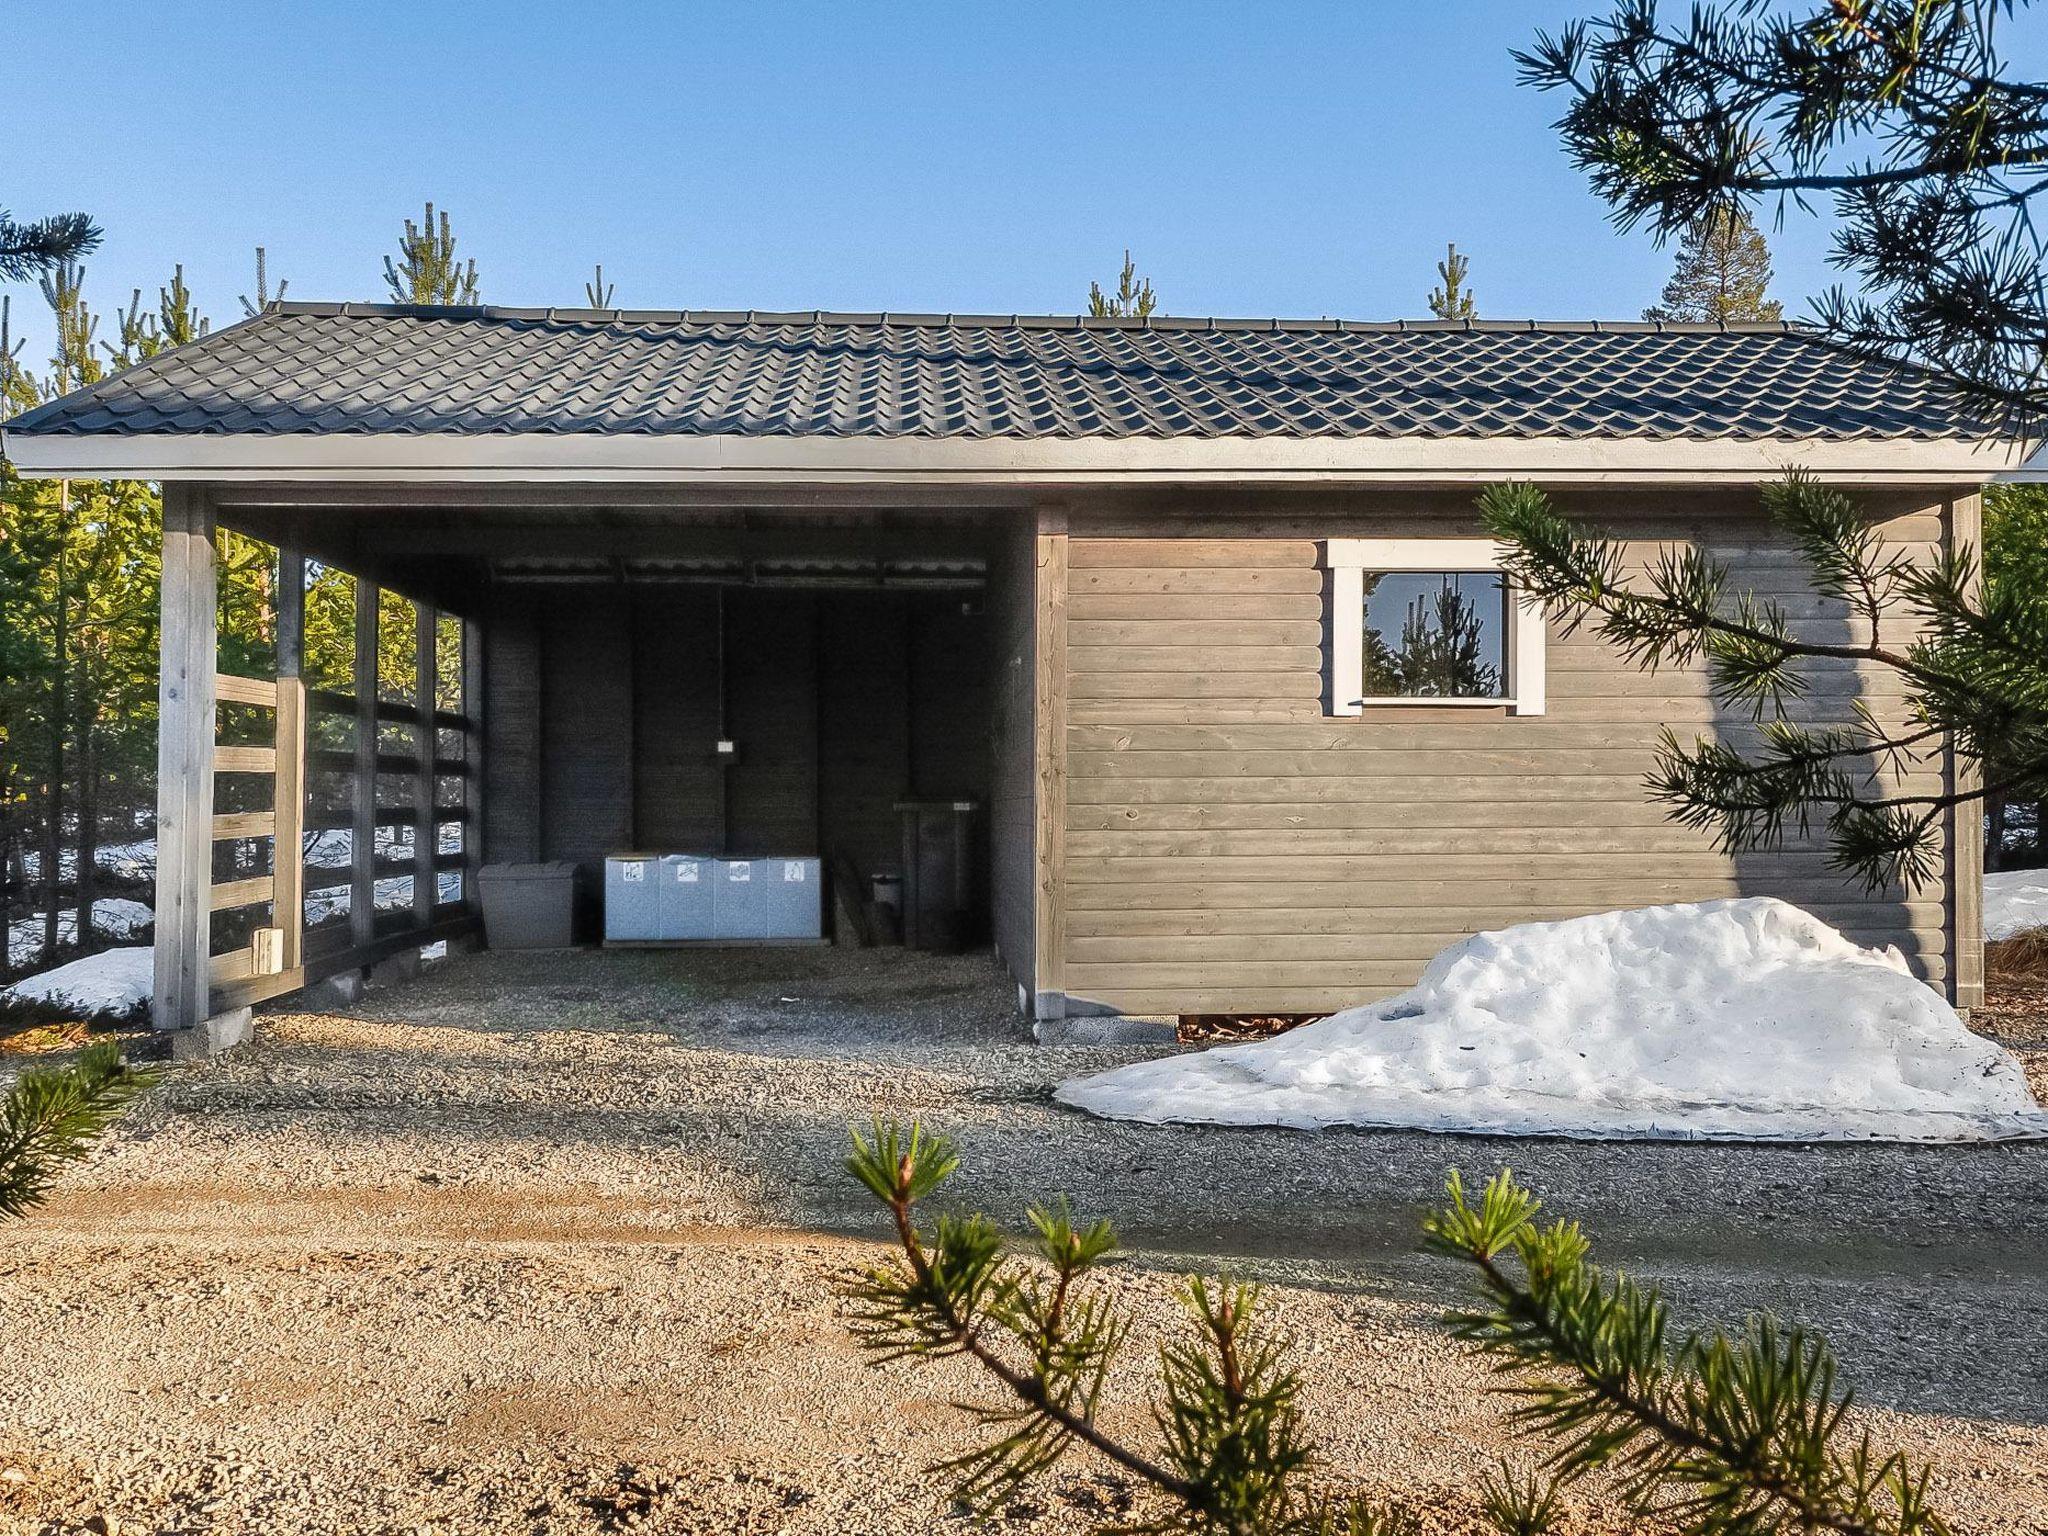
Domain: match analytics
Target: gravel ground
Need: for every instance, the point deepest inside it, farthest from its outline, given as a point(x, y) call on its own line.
point(544, 1244)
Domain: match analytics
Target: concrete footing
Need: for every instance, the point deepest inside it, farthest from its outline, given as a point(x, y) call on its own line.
point(341, 990)
point(1104, 1029)
point(402, 966)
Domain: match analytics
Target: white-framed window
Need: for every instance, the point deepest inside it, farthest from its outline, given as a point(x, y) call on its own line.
point(1429, 622)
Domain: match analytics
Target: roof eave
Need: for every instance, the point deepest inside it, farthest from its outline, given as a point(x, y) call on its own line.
point(514, 457)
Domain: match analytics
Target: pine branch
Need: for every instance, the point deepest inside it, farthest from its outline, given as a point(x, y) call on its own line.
point(1722, 1436)
point(1976, 679)
point(35, 247)
point(50, 1119)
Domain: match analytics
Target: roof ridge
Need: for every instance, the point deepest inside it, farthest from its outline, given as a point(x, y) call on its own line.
point(554, 314)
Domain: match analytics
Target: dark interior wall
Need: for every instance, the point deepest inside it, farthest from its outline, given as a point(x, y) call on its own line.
point(676, 788)
point(511, 735)
point(864, 719)
point(586, 742)
point(771, 711)
point(605, 715)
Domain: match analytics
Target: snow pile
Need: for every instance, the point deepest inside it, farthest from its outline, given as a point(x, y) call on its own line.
point(115, 983)
point(2014, 901)
point(1745, 1019)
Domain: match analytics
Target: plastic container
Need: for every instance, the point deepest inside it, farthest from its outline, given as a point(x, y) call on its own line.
point(768, 899)
point(528, 906)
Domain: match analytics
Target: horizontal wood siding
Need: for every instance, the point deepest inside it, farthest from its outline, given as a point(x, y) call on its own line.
point(1229, 847)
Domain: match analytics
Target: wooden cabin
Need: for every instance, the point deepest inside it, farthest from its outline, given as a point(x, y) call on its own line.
point(1130, 586)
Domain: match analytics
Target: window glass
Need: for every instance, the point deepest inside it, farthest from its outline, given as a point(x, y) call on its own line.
point(1435, 635)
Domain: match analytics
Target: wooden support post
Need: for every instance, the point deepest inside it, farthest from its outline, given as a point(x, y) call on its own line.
point(185, 735)
point(362, 842)
point(472, 707)
point(426, 832)
point(1049, 738)
point(1966, 820)
point(288, 854)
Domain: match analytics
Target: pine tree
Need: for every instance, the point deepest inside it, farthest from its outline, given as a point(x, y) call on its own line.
point(426, 271)
point(178, 318)
point(1442, 654)
point(18, 391)
point(597, 291)
point(1723, 274)
point(1133, 300)
point(264, 297)
point(1452, 301)
point(72, 365)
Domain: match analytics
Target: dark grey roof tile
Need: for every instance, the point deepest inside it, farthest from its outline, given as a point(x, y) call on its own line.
point(373, 368)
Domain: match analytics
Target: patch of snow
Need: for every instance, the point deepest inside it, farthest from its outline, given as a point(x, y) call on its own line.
point(392, 892)
point(1743, 1019)
point(114, 917)
point(2014, 901)
point(126, 861)
point(114, 984)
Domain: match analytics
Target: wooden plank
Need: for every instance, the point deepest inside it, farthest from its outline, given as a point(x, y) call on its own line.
point(1304, 661)
point(1298, 682)
point(425, 829)
point(1369, 820)
point(1193, 554)
point(1418, 789)
point(288, 864)
point(1263, 978)
point(1049, 736)
point(1644, 888)
point(230, 894)
point(470, 812)
point(1168, 580)
point(244, 760)
point(1195, 607)
point(1338, 741)
point(1918, 921)
point(241, 824)
point(236, 965)
point(188, 666)
point(1621, 868)
point(1393, 761)
point(1179, 634)
point(1423, 843)
point(1963, 825)
point(230, 689)
point(362, 909)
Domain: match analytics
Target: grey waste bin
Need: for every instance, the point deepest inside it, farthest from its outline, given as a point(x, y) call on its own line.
point(651, 899)
point(768, 899)
point(528, 906)
point(940, 889)
point(632, 898)
point(686, 894)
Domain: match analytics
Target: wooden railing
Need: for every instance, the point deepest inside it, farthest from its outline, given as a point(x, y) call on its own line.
point(278, 957)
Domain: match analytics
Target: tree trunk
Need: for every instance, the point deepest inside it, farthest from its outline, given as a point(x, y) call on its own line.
point(88, 826)
point(53, 797)
point(1994, 832)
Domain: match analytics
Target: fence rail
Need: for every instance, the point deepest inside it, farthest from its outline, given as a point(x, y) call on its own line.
point(286, 954)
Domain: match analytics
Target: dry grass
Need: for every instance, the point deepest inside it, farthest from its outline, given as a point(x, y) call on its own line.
point(2023, 957)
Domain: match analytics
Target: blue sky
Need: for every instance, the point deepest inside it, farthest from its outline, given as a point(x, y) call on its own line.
point(1292, 159)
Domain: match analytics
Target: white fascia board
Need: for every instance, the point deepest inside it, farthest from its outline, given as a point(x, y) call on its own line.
point(542, 456)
